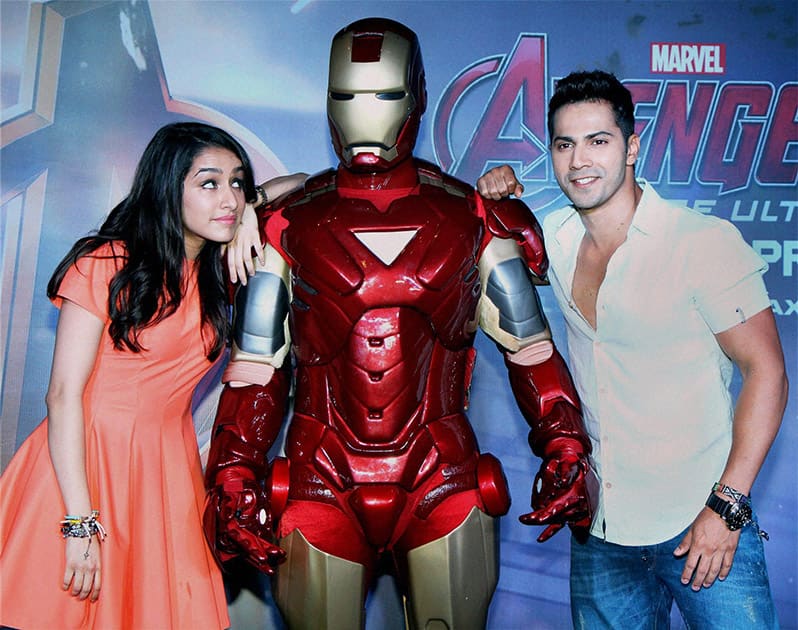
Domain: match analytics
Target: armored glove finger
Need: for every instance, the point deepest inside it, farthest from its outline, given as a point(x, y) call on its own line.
point(259, 552)
point(564, 493)
point(237, 522)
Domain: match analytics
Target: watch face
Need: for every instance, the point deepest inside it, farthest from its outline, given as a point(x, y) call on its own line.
point(738, 515)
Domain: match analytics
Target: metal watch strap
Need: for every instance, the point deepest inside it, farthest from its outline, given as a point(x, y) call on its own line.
point(262, 199)
point(722, 508)
point(718, 505)
point(736, 515)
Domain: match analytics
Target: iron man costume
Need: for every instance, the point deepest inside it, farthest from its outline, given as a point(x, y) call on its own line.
point(377, 275)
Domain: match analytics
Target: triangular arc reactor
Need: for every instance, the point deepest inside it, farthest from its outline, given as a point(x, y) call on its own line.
point(386, 245)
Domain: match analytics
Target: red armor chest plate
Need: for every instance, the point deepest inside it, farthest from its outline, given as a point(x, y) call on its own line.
point(384, 310)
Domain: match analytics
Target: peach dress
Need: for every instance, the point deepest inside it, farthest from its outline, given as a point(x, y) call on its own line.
point(144, 476)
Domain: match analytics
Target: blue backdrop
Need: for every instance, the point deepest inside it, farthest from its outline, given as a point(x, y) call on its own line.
point(86, 84)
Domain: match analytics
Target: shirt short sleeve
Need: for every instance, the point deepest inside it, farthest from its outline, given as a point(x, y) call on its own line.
point(86, 282)
point(729, 283)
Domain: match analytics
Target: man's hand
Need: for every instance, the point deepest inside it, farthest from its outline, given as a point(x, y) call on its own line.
point(240, 261)
point(710, 547)
point(498, 183)
point(565, 492)
point(237, 522)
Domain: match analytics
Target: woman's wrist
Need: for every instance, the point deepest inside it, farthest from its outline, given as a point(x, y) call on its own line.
point(262, 199)
point(77, 526)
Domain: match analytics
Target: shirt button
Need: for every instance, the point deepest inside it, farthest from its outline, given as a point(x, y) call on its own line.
point(608, 485)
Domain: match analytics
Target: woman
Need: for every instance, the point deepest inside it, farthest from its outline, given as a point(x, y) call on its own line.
point(143, 314)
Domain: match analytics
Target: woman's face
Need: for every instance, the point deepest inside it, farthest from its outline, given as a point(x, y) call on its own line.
point(213, 199)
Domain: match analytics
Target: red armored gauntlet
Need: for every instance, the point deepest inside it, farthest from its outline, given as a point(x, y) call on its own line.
point(566, 486)
point(238, 519)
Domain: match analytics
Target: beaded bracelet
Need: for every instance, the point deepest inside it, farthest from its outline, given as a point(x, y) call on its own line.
point(83, 527)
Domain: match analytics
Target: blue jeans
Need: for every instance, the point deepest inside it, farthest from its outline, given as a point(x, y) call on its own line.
point(620, 587)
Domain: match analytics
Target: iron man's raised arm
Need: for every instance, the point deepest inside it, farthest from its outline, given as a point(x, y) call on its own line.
point(566, 488)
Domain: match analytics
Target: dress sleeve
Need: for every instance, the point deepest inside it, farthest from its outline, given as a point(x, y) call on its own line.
point(729, 283)
point(86, 282)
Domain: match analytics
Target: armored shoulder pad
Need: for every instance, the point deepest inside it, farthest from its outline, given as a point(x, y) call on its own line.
point(432, 175)
point(320, 181)
point(314, 186)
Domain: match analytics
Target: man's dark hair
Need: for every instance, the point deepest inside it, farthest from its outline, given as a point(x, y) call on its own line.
point(593, 86)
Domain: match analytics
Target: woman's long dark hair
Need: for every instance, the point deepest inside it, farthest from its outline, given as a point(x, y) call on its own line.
point(148, 222)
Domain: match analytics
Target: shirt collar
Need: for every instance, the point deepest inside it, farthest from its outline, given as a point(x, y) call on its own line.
point(646, 219)
point(647, 216)
point(569, 227)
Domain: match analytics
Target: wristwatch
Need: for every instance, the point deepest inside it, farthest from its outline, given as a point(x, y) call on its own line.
point(262, 198)
point(737, 513)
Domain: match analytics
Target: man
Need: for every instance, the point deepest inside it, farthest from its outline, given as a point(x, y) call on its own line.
point(658, 301)
point(374, 279)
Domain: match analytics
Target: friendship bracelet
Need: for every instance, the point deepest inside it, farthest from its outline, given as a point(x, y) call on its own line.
point(729, 491)
point(83, 526)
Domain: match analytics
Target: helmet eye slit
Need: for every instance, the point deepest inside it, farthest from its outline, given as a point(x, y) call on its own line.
point(391, 96)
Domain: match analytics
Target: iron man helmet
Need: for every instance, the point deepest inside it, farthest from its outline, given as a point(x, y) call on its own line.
point(376, 93)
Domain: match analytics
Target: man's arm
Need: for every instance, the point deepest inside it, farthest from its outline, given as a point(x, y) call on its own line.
point(755, 349)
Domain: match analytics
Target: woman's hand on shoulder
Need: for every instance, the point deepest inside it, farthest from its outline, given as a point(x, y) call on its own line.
point(240, 262)
point(239, 251)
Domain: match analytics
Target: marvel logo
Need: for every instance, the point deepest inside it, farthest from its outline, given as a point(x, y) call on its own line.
point(674, 58)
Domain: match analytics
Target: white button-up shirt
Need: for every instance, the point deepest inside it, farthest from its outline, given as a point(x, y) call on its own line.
point(653, 381)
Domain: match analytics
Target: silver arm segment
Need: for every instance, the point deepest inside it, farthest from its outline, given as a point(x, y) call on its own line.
point(260, 314)
point(510, 310)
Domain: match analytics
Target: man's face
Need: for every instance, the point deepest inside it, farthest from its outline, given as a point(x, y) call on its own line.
point(591, 160)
